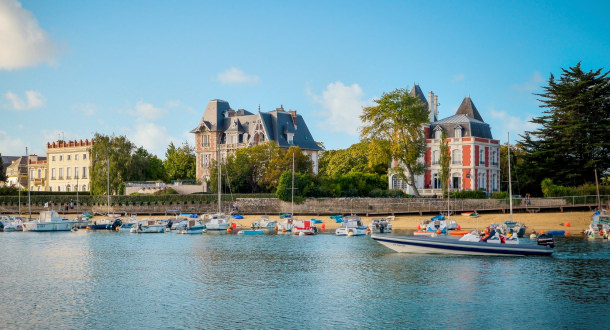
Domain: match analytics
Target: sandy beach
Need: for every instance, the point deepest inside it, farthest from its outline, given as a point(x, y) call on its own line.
point(535, 222)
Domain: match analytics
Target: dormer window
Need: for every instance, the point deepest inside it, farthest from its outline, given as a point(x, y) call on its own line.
point(289, 137)
point(437, 132)
point(458, 131)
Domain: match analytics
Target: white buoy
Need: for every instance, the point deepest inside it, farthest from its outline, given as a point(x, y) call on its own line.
point(301, 234)
point(533, 236)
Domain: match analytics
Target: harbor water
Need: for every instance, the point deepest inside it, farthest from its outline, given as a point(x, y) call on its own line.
point(118, 280)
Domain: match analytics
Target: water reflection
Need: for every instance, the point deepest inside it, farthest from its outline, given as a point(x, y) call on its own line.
point(122, 280)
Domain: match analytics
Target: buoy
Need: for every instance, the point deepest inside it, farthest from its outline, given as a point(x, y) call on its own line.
point(418, 227)
point(542, 231)
point(439, 232)
point(229, 230)
point(323, 226)
point(234, 225)
point(568, 224)
point(567, 233)
point(459, 227)
point(532, 236)
point(284, 230)
point(275, 227)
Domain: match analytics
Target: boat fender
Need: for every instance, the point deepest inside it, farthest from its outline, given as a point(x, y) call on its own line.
point(276, 228)
point(546, 239)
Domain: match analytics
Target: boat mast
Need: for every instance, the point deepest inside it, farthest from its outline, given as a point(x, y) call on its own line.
point(510, 188)
point(108, 183)
point(599, 203)
point(292, 190)
point(218, 169)
point(27, 155)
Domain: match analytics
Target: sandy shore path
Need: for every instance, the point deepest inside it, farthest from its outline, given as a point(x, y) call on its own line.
point(579, 221)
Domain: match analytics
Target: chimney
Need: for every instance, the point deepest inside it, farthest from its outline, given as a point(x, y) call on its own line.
point(435, 107)
point(431, 107)
point(293, 113)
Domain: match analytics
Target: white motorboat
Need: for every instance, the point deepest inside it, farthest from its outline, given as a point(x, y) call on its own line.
point(286, 225)
point(13, 224)
point(127, 226)
point(469, 244)
point(219, 221)
point(264, 223)
point(304, 227)
point(49, 221)
point(380, 225)
point(148, 226)
point(190, 227)
point(599, 226)
point(351, 226)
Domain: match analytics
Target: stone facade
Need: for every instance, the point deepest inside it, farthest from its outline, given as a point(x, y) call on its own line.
point(39, 173)
point(69, 163)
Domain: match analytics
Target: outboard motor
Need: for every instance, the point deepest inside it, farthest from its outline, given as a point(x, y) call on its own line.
point(1, 226)
point(169, 224)
point(381, 227)
point(546, 239)
point(116, 224)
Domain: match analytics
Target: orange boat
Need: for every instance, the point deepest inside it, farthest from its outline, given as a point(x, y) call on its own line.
point(459, 232)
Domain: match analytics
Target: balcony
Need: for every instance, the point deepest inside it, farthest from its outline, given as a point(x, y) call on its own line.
point(61, 177)
point(456, 162)
point(68, 177)
point(53, 178)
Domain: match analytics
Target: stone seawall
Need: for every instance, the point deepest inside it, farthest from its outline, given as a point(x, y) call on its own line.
point(320, 206)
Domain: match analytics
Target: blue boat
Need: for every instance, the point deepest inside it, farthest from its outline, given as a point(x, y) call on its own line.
point(251, 232)
point(338, 218)
point(237, 216)
point(316, 221)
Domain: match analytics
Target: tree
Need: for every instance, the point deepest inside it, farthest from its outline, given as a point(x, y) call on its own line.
point(282, 161)
point(354, 159)
point(2, 170)
point(444, 160)
point(147, 167)
point(113, 155)
point(180, 162)
point(394, 128)
point(573, 137)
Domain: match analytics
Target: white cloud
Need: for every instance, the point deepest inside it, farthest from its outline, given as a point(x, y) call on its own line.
point(531, 85)
point(147, 112)
point(458, 77)
point(32, 100)
point(22, 42)
point(10, 146)
point(236, 76)
point(342, 106)
point(515, 125)
point(152, 137)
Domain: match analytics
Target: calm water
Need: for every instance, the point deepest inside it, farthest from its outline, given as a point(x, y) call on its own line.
point(121, 280)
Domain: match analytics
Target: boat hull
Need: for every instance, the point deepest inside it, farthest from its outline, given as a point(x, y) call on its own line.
point(48, 226)
point(440, 245)
point(353, 231)
point(192, 230)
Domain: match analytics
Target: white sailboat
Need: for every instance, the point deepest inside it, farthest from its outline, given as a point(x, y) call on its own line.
point(219, 220)
point(300, 227)
point(511, 226)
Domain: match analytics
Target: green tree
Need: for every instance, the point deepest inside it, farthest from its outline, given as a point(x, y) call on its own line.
point(444, 160)
point(573, 136)
point(180, 162)
point(354, 159)
point(147, 167)
point(394, 128)
point(111, 155)
point(2, 170)
point(282, 161)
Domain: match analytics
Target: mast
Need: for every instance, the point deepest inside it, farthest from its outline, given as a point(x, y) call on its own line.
point(510, 188)
point(108, 183)
point(218, 169)
point(599, 203)
point(27, 155)
point(292, 190)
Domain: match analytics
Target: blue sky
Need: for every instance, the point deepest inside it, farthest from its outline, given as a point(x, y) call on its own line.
point(146, 69)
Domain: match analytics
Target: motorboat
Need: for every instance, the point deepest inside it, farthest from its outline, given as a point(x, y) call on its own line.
point(218, 221)
point(251, 232)
point(49, 221)
point(105, 224)
point(190, 227)
point(437, 225)
point(287, 224)
point(264, 223)
point(148, 226)
point(304, 227)
point(126, 226)
point(351, 226)
point(469, 244)
point(599, 226)
point(513, 227)
point(380, 225)
point(13, 224)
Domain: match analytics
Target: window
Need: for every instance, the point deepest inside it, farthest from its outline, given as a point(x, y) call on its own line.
point(205, 141)
point(58, 188)
point(61, 157)
point(52, 174)
point(76, 157)
point(493, 182)
point(437, 134)
point(289, 138)
point(53, 158)
point(482, 185)
point(68, 172)
point(61, 173)
point(435, 157)
point(84, 172)
point(31, 174)
point(69, 157)
point(456, 156)
point(398, 183)
point(38, 188)
point(84, 156)
point(482, 156)
point(50, 188)
point(76, 172)
point(39, 173)
point(458, 132)
point(494, 159)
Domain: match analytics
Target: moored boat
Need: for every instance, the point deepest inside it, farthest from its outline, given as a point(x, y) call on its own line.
point(190, 227)
point(49, 221)
point(264, 223)
point(599, 226)
point(352, 226)
point(148, 226)
point(467, 245)
point(380, 225)
point(304, 227)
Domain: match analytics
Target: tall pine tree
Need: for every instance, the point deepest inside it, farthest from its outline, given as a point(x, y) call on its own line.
point(573, 137)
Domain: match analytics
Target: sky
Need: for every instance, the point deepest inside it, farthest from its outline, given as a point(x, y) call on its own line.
point(147, 69)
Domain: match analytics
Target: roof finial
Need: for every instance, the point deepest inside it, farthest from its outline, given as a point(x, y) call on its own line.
point(259, 108)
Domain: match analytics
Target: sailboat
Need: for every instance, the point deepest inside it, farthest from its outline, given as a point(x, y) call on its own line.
point(219, 220)
point(511, 226)
point(300, 227)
